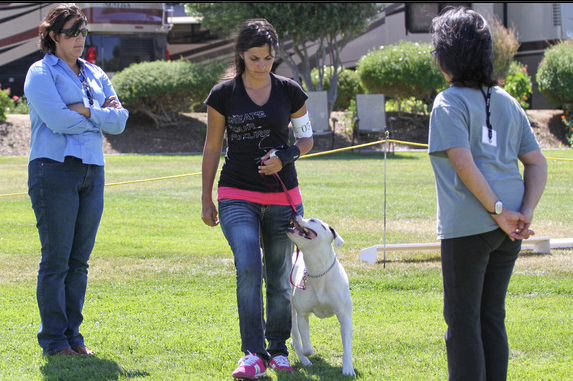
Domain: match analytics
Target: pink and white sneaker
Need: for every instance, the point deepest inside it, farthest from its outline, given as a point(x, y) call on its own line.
point(250, 366)
point(280, 362)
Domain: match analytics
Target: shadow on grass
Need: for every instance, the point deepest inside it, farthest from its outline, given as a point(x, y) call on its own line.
point(85, 368)
point(410, 259)
point(319, 370)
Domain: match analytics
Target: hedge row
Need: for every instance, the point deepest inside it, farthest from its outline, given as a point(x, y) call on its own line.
point(164, 89)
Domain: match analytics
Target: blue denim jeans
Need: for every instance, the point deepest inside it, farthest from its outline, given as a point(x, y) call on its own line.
point(67, 199)
point(262, 251)
point(476, 272)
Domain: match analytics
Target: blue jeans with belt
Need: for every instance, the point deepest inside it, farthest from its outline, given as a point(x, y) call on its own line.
point(250, 227)
point(67, 199)
point(476, 274)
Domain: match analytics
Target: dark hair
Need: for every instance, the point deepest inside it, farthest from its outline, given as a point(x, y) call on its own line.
point(55, 20)
point(252, 34)
point(463, 47)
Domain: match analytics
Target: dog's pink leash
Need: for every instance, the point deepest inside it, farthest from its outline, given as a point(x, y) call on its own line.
point(291, 202)
point(289, 198)
point(303, 287)
point(306, 275)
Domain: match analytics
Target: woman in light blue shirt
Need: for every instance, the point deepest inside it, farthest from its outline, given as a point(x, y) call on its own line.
point(71, 103)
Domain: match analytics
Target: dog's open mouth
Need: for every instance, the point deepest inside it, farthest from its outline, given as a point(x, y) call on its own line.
point(296, 228)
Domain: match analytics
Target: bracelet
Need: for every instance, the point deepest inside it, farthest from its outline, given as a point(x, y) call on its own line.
point(288, 155)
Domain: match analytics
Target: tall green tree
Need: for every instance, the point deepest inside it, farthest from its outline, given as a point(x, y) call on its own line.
point(306, 31)
point(505, 45)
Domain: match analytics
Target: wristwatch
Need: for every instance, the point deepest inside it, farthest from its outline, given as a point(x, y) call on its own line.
point(498, 208)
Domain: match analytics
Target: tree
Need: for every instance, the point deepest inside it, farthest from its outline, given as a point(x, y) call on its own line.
point(505, 45)
point(328, 26)
point(348, 86)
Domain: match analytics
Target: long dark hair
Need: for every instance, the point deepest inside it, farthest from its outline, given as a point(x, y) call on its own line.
point(463, 47)
point(55, 20)
point(253, 33)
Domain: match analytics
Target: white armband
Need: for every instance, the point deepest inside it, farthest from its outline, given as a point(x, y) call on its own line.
point(301, 127)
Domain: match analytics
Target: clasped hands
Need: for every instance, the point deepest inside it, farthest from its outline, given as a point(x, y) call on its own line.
point(515, 224)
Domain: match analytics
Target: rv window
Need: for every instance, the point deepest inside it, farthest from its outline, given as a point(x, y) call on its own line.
point(419, 15)
point(114, 53)
point(189, 34)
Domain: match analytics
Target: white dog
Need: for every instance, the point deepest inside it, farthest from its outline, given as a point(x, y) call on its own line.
point(320, 288)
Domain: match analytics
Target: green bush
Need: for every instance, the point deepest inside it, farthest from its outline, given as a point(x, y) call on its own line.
point(555, 75)
point(164, 89)
point(347, 87)
point(14, 105)
point(518, 83)
point(410, 105)
point(4, 104)
point(19, 105)
point(402, 71)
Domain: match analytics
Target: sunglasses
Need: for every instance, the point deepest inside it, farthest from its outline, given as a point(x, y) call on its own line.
point(72, 33)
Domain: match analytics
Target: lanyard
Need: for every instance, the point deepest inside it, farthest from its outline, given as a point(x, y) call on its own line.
point(84, 82)
point(487, 99)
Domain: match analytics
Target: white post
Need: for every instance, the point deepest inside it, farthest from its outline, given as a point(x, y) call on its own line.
point(385, 152)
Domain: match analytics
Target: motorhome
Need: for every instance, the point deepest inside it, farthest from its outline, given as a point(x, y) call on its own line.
point(537, 26)
point(119, 34)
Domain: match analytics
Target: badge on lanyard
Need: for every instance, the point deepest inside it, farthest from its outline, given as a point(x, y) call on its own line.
point(489, 135)
point(487, 138)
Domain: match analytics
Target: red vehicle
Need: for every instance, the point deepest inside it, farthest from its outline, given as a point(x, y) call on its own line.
point(120, 34)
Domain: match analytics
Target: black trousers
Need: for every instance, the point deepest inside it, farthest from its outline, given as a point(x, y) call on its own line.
point(476, 273)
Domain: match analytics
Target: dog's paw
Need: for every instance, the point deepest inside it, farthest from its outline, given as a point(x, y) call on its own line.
point(304, 361)
point(348, 370)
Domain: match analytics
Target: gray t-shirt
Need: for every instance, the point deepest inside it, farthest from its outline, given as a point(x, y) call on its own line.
point(458, 119)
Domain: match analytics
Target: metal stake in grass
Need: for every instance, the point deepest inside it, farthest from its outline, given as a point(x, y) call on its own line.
point(387, 133)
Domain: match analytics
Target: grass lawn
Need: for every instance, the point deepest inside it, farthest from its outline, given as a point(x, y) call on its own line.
point(161, 294)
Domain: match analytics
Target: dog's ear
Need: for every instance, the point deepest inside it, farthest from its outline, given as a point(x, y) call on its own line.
point(338, 241)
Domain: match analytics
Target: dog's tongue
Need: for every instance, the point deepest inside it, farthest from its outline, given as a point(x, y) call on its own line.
point(306, 233)
point(311, 234)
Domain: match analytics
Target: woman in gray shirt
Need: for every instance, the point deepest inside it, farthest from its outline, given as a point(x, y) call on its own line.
point(478, 136)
